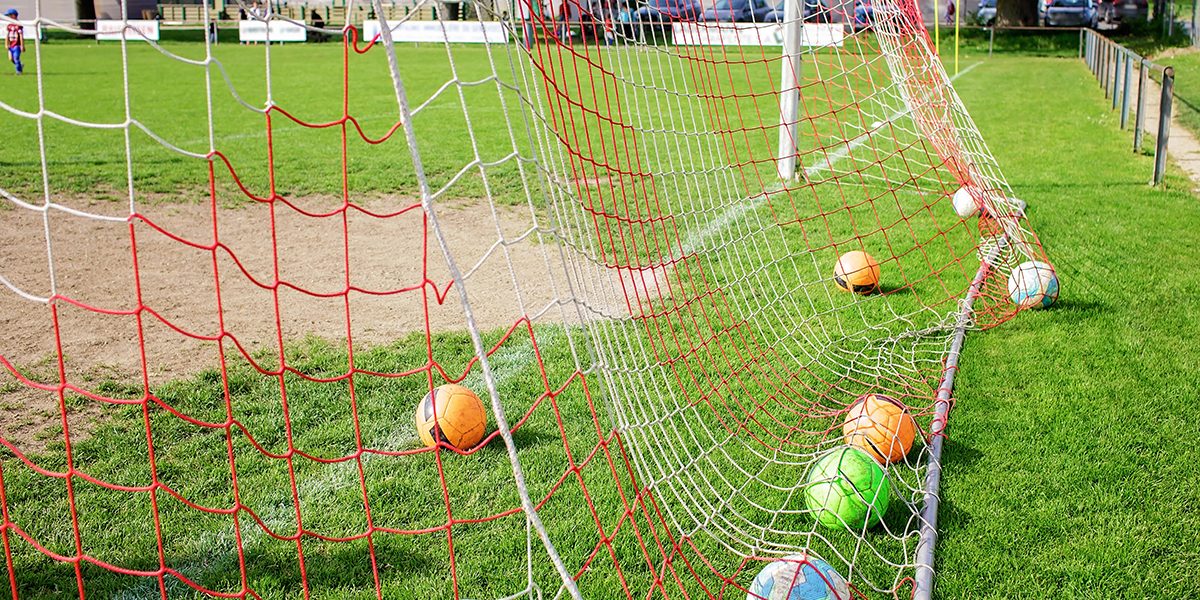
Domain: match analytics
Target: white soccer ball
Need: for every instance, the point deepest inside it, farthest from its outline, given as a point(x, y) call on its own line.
point(798, 577)
point(1033, 284)
point(964, 203)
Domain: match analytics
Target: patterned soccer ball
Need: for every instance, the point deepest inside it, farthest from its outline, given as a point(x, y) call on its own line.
point(798, 577)
point(1033, 284)
point(964, 202)
point(460, 420)
point(881, 427)
point(857, 272)
point(847, 488)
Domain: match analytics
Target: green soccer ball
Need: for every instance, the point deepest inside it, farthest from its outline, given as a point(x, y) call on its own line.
point(847, 488)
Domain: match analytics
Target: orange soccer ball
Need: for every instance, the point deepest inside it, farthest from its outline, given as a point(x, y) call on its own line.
point(857, 272)
point(881, 427)
point(460, 419)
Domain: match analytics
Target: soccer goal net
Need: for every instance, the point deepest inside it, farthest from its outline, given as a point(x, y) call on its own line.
point(709, 280)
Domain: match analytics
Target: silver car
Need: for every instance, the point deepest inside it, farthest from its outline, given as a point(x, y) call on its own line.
point(1070, 13)
point(986, 15)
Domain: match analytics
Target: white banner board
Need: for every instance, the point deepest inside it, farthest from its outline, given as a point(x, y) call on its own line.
point(281, 31)
point(753, 34)
point(30, 31)
point(139, 29)
point(456, 32)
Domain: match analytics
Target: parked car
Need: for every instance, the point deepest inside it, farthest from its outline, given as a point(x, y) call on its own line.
point(657, 15)
point(815, 11)
point(1070, 13)
point(864, 15)
point(754, 11)
point(986, 15)
point(1132, 10)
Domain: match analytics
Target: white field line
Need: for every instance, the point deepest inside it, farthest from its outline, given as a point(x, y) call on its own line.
point(280, 516)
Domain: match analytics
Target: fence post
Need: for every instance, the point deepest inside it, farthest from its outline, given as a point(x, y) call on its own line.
point(1080, 44)
point(1164, 124)
point(1125, 93)
point(1195, 22)
point(1116, 79)
point(991, 38)
point(1102, 76)
point(1091, 54)
point(1139, 118)
point(1108, 61)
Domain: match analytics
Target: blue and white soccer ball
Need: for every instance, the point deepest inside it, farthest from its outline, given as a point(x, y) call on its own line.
point(798, 577)
point(1033, 284)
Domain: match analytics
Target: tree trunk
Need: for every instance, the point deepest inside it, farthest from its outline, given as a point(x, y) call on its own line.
point(1014, 13)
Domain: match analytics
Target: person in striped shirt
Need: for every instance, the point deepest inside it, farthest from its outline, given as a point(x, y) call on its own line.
point(14, 40)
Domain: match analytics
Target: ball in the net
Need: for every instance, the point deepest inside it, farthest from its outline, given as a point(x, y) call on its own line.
point(965, 203)
point(881, 427)
point(857, 272)
point(798, 577)
point(1033, 284)
point(453, 415)
point(846, 488)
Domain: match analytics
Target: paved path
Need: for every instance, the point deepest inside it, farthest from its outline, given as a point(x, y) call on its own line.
point(1182, 145)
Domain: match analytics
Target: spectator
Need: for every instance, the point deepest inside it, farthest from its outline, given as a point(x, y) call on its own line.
point(625, 18)
point(564, 27)
point(212, 32)
point(14, 37)
point(318, 23)
point(950, 10)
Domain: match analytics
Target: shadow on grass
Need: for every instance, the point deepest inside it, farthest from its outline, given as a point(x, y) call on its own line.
point(272, 569)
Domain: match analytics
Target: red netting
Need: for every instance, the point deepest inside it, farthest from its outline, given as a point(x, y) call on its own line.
point(673, 359)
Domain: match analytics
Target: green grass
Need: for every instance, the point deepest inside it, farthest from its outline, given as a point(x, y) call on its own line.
point(1187, 89)
point(1069, 469)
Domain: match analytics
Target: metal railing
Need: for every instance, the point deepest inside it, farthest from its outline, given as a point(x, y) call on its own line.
point(1113, 66)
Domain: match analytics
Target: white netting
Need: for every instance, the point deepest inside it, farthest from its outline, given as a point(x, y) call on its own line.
point(581, 221)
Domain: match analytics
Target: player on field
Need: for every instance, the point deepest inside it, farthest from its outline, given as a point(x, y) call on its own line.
point(14, 41)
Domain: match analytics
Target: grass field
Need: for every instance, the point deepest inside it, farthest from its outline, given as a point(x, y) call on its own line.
point(1187, 89)
point(1069, 468)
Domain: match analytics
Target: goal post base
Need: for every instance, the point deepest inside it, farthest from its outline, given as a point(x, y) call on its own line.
point(933, 472)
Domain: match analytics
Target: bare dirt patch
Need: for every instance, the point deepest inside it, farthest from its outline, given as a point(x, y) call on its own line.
point(256, 274)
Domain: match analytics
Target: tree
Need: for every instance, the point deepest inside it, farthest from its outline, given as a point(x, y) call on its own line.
point(1012, 13)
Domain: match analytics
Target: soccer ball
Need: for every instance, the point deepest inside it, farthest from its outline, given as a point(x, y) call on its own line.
point(881, 427)
point(847, 488)
point(857, 272)
point(964, 202)
point(460, 420)
point(798, 577)
point(1033, 284)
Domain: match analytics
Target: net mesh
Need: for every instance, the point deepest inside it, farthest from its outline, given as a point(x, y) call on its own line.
point(231, 273)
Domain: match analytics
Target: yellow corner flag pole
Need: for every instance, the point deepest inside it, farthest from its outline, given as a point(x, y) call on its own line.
point(937, 32)
point(957, 10)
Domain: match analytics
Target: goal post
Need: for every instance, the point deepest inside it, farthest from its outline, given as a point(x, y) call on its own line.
point(789, 95)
